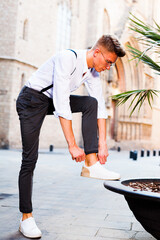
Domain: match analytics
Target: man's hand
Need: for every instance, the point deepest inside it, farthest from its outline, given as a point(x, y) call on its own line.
point(102, 153)
point(102, 146)
point(77, 153)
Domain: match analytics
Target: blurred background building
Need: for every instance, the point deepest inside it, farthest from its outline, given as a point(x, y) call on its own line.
point(32, 31)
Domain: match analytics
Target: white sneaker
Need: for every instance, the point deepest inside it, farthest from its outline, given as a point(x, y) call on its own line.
point(99, 172)
point(29, 228)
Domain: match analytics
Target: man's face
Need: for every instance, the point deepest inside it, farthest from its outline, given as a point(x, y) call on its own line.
point(103, 59)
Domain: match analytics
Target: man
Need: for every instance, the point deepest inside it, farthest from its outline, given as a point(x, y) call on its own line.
point(48, 91)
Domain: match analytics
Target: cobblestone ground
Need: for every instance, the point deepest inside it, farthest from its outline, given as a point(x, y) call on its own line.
point(70, 207)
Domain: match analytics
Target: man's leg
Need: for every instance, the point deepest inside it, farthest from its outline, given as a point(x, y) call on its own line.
point(88, 106)
point(30, 142)
point(31, 108)
point(92, 168)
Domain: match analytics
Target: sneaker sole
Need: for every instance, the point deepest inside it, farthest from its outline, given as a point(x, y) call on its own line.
point(116, 179)
point(28, 235)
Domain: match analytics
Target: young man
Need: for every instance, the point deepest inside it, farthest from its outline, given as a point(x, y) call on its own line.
point(48, 91)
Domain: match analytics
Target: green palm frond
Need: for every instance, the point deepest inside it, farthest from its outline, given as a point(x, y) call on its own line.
point(149, 37)
point(158, 27)
point(146, 30)
point(144, 58)
point(140, 96)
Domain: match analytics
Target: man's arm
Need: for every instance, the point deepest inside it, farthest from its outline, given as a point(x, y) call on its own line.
point(64, 64)
point(77, 153)
point(102, 145)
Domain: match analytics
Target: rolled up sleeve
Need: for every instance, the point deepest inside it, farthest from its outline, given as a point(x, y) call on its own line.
point(94, 88)
point(64, 65)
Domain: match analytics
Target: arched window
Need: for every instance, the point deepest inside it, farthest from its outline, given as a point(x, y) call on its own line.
point(25, 30)
point(63, 26)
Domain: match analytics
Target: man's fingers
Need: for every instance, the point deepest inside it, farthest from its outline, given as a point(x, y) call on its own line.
point(83, 157)
point(102, 159)
point(79, 156)
point(78, 159)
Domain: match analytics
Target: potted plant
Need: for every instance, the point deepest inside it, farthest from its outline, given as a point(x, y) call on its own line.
point(142, 195)
point(143, 198)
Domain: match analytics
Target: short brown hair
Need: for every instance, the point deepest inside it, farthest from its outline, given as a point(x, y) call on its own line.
point(112, 44)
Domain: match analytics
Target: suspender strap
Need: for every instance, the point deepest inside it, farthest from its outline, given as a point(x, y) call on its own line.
point(50, 86)
point(73, 52)
point(46, 88)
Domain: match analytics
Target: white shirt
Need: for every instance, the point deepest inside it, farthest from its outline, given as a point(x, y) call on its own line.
point(57, 71)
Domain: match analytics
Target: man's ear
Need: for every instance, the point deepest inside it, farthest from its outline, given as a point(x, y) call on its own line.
point(96, 51)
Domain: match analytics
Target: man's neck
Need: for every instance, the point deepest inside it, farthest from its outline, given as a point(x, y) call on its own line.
point(89, 58)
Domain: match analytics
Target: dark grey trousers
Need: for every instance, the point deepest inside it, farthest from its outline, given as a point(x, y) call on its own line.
point(32, 107)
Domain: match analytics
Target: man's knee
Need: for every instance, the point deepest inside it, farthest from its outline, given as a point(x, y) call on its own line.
point(92, 103)
point(28, 165)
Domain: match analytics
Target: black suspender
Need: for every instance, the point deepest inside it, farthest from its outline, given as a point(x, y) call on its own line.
point(46, 88)
point(50, 86)
point(73, 52)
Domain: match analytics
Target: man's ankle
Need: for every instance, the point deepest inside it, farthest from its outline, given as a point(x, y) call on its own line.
point(90, 163)
point(91, 159)
point(26, 215)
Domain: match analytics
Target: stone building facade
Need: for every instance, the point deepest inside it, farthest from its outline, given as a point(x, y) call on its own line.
point(32, 31)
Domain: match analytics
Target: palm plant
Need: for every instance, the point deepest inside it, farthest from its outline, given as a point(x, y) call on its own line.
point(149, 36)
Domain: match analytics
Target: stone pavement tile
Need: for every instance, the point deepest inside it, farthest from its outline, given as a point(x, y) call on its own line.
point(9, 202)
point(96, 222)
point(117, 225)
point(3, 210)
point(88, 214)
point(50, 211)
point(114, 233)
point(81, 230)
point(85, 216)
point(122, 218)
point(136, 226)
point(144, 236)
point(9, 226)
point(48, 236)
point(68, 229)
point(18, 236)
point(12, 235)
point(51, 223)
point(79, 213)
point(89, 222)
point(109, 238)
point(73, 237)
point(127, 212)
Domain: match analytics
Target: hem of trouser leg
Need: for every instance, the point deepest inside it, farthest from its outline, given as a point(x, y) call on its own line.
point(91, 151)
point(24, 211)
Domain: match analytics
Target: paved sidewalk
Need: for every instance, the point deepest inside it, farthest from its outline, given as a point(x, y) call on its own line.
point(70, 207)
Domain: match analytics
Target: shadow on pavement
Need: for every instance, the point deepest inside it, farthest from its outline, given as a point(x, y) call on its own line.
point(16, 235)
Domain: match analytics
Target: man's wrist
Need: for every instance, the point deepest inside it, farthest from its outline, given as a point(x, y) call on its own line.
point(102, 143)
point(71, 143)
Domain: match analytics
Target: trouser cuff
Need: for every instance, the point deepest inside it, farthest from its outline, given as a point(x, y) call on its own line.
point(91, 151)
